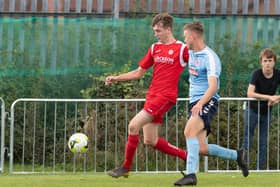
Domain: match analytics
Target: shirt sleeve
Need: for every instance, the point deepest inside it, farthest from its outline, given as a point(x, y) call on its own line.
point(147, 61)
point(254, 77)
point(278, 75)
point(213, 66)
point(186, 54)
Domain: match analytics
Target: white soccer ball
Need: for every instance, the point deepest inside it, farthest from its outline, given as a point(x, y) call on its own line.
point(78, 143)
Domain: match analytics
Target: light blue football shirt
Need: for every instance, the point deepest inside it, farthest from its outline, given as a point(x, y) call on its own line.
point(202, 64)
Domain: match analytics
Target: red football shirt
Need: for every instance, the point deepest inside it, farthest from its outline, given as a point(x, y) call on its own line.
point(168, 61)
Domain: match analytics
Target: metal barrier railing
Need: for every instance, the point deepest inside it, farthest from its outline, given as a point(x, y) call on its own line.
point(2, 152)
point(40, 129)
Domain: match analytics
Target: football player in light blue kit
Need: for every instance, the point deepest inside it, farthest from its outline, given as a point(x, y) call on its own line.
point(204, 72)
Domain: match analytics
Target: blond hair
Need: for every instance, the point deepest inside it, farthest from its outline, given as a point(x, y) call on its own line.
point(196, 26)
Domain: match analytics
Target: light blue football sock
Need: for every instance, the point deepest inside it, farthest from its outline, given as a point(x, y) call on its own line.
point(193, 155)
point(216, 150)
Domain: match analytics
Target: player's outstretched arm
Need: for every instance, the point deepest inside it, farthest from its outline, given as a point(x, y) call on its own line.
point(132, 75)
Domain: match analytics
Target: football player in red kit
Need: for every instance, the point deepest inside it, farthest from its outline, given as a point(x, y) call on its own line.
point(168, 58)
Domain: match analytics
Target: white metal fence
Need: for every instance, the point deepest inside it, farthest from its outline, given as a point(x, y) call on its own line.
point(2, 135)
point(40, 129)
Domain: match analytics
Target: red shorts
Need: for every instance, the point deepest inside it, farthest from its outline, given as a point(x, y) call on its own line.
point(157, 106)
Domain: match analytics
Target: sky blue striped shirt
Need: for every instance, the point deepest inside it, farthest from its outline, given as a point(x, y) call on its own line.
point(202, 64)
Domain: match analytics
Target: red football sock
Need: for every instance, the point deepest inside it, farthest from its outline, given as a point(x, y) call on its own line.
point(130, 149)
point(165, 147)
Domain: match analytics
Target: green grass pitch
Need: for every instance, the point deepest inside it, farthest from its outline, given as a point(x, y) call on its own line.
point(138, 180)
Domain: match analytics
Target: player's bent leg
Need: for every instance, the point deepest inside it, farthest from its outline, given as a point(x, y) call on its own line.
point(135, 125)
point(241, 161)
point(150, 133)
point(230, 154)
point(167, 148)
point(130, 149)
point(151, 138)
point(139, 121)
point(222, 152)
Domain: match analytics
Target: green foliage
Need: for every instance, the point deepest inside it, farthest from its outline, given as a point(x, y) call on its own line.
point(238, 62)
point(129, 89)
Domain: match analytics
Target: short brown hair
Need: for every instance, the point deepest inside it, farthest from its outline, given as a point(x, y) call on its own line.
point(164, 18)
point(268, 53)
point(196, 26)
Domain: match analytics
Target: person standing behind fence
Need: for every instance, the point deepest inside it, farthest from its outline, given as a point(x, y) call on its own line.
point(263, 86)
point(168, 57)
point(204, 71)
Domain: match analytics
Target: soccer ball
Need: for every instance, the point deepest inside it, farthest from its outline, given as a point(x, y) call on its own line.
point(78, 143)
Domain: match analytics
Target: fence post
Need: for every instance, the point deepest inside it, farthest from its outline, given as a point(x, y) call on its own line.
point(10, 46)
point(277, 7)
point(149, 6)
point(23, 5)
point(159, 5)
point(206, 160)
point(12, 6)
point(11, 150)
point(116, 8)
point(170, 6)
point(266, 6)
point(3, 117)
point(78, 6)
point(245, 7)
point(56, 6)
point(34, 5)
point(100, 6)
point(126, 6)
point(1, 36)
point(224, 7)
point(89, 6)
point(256, 7)
point(202, 6)
point(2, 5)
point(66, 6)
point(234, 7)
point(213, 7)
point(181, 6)
point(45, 6)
